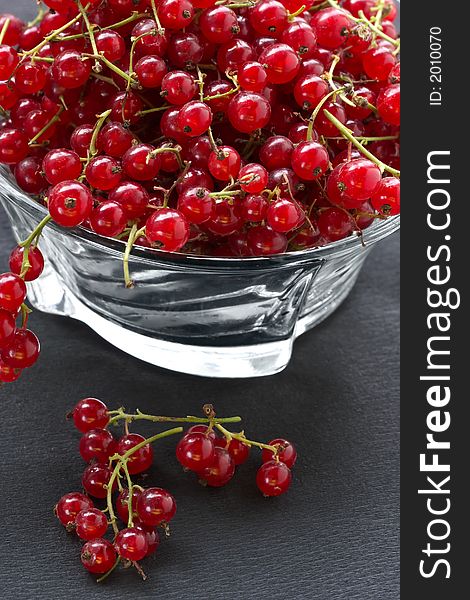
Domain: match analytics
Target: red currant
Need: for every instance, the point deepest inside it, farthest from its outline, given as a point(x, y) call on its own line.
point(61, 164)
point(155, 506)
point(98, 445)
point(70, 505)
point(98, 556)
point(12, 292)
point(141, 460)
point(221, 470)
point(35, 260)
point(131, 544)
point(70, 203)
point(287, 453)
point(90, 413)
point(273, 478)
point(90, 524)
point(195, 451)
point(95, 480)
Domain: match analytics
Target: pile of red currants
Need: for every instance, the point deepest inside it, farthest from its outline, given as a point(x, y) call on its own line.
point(113, 462)
point(224, 129)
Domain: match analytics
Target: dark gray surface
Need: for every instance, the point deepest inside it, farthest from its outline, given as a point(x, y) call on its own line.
point(334, 536)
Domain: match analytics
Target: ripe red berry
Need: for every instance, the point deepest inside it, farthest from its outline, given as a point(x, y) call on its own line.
point(237, 450)
point(253, 178)
point(386, 198)
point(70, 505)
point(95, 480)
point(22, 351)
point(287, 454)
point(35, 260)
point(131, 544)
point(248, 111)
point(310, 160)
point(103, 173)
point(332, 27)
point(114, 140)
point(388, 104)
point(150, 71)
point(61, 164)
point(122, 503)
point(178, 87)
point(70, 203)
point(29, 176)
point(98, 556)
point(7, 374)
point(269, 17)
point(224, 163)
point(359, 178)
point(195, 451)
point(7, 327)
point(13, 146)
point(155, 506)
point(284, 215)
point(111, 44)
point(280, 62)
point(273, 478)
point(221, 470)
point(194, 118)
point(196, 205)
point(90, 524)
point(90, 413)
point(252, 77)
point(8, 61)
point(70, 70)
point(139, 163)
point(30, 78)
point(335, 224)
point(218, 24)
point(167, 229)
point(264, 241)
point(12, 292)
point(140, 460)
point(132, 197)
point(108, 218)
point(98, 445)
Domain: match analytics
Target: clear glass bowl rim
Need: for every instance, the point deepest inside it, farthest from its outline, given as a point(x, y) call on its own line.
point(377, 231)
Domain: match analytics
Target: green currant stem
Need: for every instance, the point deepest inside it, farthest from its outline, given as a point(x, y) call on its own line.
point(54, 119)
point(123, 459)
point(97, 67)
point(133, 17)
point(211, 139)
point(241, 438)
point(38, 18)
point(125, 261)
point(317, 110)
point(226, 194)
point(160, 29)
point(223, 95)
point(167, 193)
point(140, 416)
point(142, 113)
point(52, 35)
point(107, 79)
point(35, 233)
point(25, 312)
point(333, 85)
point(130, 492)
point(4, 29)
point(131, 54)
point(108, 573)
point(237, 4)
point(130, 80)
point(200, 82)
point(92, 150)
point(350, 137)
point(298, 12)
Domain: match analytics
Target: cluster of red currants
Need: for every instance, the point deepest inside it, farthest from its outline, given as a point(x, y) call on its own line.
point(228, 130)
point(143, 510)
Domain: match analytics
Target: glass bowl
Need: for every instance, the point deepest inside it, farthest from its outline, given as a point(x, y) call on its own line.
point(214, 317)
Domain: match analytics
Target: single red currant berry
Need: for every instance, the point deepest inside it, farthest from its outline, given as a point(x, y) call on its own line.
point(301, 38)
point(332, 26)
point(110, 44)
point(276, 152)
point(103, 173)
point(195, 178)
point(12, 292)
point(95, 480)
point(239, 451)
point(386, 199)
point(252, 77)
point(195, 451)
point(221, 470)
point(29, 176)
point(219, 24)
point(284, 215)
point(132, 197)
point(309, 90)
point(378, 62)
point(61, 164)
point(150, 71)
point(167, 229)
point(98, 556)
point(359, 178)
point(35, 260)
point(196, 205)
point(310, 160)
point(7, 327)
point(195, 118)
point(323, 125)
point(394, 76)
point(175, 14)
point(335, 224)
point(178, 87)
point(98, 445)
point(255, 209)
point(70, 70)
point(122, 504)
point(155, 506)
point(80, 140)
point(226, 217)
point(363, 98)
point(248, 112)
point(280, 62)
point(287, 453)
point(90, 524)
point(70, 505)
point(30, 78)
point(13, 146)
point(264, 241)
point(141, 460)
point(70, 203)
point(139, 163)
point(8, 61)
point(108, 218)
point(224, 163)
point(90, 413)
point(131, 544)
point(185, 50)
point(253, 178)
point(40, 126)
point(269, 17)
point(114, 140)
point(388, 104)
point(126, 107)
point(273, 478)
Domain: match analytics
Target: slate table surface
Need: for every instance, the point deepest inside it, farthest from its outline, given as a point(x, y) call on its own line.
point(334, 536)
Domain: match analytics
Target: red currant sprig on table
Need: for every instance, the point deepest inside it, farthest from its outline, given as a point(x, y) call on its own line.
point(206, 448)
point(238, 130)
